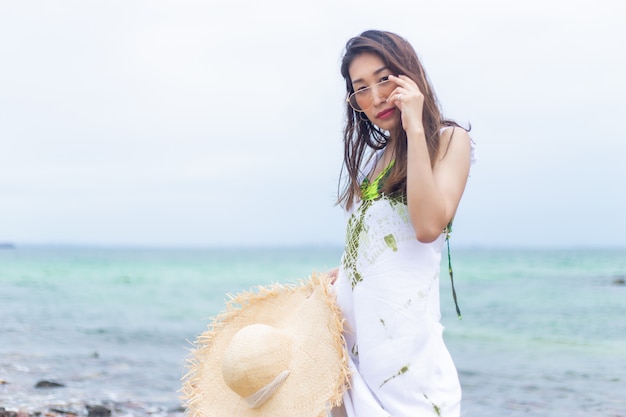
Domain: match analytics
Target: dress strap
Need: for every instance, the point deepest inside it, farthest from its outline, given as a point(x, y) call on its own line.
point(448, 230)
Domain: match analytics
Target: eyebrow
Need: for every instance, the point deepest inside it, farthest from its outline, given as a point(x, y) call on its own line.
point(378, 71)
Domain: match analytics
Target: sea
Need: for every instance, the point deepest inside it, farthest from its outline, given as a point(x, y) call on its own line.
point(543, 331)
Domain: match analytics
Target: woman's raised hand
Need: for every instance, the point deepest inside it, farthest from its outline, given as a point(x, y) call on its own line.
point(408, 98)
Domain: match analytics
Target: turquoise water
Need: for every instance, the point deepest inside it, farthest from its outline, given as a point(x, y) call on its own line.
point(543, 332)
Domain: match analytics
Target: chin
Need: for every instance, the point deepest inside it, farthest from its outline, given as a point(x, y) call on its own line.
point(388, 125)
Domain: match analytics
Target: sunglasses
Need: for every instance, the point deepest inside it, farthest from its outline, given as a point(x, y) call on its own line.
point(361, 100)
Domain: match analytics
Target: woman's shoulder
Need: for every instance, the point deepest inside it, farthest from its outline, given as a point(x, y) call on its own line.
point(456, 141)
point(448, 132)
point(454, 137)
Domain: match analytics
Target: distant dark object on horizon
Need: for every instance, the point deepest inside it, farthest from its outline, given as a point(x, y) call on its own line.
point(48, 384)
point(98, 411)
point(6, 245)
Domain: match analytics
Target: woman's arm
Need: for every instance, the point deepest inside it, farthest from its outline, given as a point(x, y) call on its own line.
point(433, 194)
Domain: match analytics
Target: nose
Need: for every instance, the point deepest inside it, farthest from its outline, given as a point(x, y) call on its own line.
point(377, 96)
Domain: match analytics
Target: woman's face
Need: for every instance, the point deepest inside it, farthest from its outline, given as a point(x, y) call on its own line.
point(371, 90)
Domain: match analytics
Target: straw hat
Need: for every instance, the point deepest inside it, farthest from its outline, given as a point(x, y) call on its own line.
point(275, 352)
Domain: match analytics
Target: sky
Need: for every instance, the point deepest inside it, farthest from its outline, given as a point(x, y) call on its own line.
point(204, 123)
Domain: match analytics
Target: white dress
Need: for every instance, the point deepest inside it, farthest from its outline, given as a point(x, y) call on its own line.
point(388, 290)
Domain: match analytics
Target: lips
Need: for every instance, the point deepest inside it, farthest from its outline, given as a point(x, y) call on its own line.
point(385, 113)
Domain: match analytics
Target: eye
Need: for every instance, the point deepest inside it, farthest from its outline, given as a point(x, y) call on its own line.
point(361, 91)
point(385, 78)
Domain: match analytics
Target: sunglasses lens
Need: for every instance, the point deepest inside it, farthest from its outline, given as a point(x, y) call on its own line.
point(362, 100)
point(355, 102)
point(385, 88)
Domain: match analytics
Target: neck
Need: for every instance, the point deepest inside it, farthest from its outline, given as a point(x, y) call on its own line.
point(388, 154)
point(390, 146)
point(395, 133)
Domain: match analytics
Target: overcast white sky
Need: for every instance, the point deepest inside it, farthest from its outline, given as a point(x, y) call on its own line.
point(219, 123)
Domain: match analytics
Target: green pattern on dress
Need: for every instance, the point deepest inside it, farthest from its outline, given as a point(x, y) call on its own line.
point(390, 240)
point(370, 191)
point(402, 370)
point(435, 406)
point(355, 230)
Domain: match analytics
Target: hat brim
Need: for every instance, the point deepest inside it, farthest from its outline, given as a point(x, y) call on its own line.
point(319, 366)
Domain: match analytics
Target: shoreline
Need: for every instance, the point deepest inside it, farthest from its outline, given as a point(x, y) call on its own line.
point(84, 409)
point(48, 398)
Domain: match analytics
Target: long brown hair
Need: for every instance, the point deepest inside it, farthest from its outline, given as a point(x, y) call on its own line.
point(361, 135)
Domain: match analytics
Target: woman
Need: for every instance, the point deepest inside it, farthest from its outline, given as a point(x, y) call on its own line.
point(405, 172)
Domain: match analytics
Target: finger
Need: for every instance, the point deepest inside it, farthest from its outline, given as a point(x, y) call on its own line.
point(396, 91)
point(403, 81)
point(396, 99)
point(393, 97)
point(406, 82)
